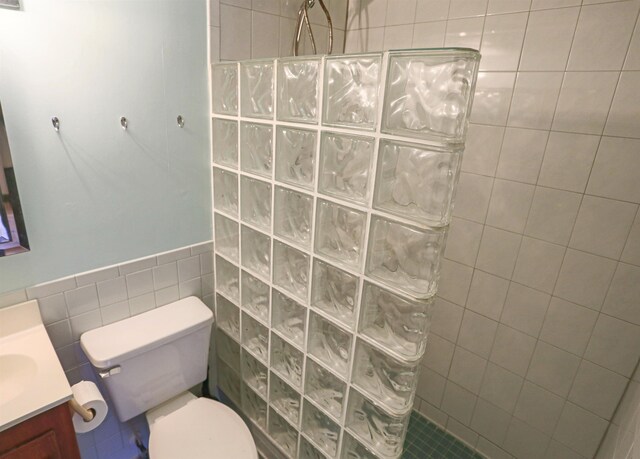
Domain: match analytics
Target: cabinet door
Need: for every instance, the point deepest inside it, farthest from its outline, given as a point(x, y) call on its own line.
point(43, 447)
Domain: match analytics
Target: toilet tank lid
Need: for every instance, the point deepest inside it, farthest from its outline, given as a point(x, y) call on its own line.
point(114, 343)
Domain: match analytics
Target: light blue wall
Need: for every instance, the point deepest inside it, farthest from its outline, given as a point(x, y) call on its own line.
point(93, 194)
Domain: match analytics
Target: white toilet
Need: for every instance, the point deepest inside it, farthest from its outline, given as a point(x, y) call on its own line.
point(148, 362)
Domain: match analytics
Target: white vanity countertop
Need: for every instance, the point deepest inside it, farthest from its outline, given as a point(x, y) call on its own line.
point(32, 380)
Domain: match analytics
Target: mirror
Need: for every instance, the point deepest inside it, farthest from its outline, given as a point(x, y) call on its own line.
point(13, 234)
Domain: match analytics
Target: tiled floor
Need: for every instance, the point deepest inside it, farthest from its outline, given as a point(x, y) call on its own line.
point(425, 440)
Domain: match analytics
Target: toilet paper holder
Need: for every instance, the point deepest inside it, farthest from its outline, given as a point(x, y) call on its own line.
point(86, 414)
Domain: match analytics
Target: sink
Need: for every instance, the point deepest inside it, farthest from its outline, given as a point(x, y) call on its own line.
point(17, 372)
point(32, 380)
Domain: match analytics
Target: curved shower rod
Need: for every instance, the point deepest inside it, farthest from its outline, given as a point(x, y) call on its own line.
point(303, 20)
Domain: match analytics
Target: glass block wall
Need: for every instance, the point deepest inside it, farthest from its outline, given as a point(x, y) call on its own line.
point(334, 179)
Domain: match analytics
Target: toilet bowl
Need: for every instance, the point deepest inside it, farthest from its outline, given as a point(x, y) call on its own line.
point(149, 362)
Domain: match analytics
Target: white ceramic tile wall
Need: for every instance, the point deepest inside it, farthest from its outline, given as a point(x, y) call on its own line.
point(79, 303)
point(536, 330)
point(252, 29)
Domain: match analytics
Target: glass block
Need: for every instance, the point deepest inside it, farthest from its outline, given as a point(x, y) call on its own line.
point(255, 296)
point(287, 361)
point(224, 81)
point(383, 378)
point(257, 89)
point(345, 166)
point(324, 432)
point(295, 156)
point(351, 91)
point(405, 257)
point(429, 95)
point(293, 214)
point(225, 191)
point(329, 344)
point(255, 337)
point(288, 317)
point(284, 434)
point(309, 451)
point(334, 291)
point(254, 374)
point(327, 390)
point(228, 317)
point(284, 399)
point(291, 270)
point(256, 252)
point(229, 382)
point(225, 142)
point(256, 203)
point(396, 323)
point(382, 431)
point(353, 449)
point(227, 236)
point(298, 88)
point(254, 406)
point(228, 350)
point(227, 278)
point(417, 181)
point(256, 148)
point(340, 233)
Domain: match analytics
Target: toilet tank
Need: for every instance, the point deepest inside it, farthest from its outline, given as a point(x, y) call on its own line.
point(147, 359)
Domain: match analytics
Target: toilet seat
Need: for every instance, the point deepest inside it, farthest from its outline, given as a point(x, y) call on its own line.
point(201, 429)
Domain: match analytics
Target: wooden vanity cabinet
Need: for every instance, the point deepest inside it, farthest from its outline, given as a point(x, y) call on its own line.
point(48, 435)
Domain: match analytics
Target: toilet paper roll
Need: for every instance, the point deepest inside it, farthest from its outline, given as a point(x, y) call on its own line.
point(87, 394)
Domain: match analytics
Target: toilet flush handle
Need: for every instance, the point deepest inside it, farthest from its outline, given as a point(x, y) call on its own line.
point(110, 371)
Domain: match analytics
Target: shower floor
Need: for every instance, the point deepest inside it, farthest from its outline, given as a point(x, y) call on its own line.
point(425, 440)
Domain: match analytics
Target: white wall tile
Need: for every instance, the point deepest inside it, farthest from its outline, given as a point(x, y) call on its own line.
point(584, 102)
point(467, 370)
point(534, 99)
point(463, 241)
point(632, 61)
point(147, 302)
point(524, 441)
point(432, 413)
point(446, 318)
point(398, 37)
point(553, 369)
point(492, 98)
point(601, 31)
point(235, 39)
point(512, 350)
point(464, 33)
point(188, 268)
point(502, 41)
point(477, 333)
point(501, 387)
point(267, 42)
point(487, 294)
point(602, 226)
point(472, 197)
point(432, 10)
point(509, 205)
point(547, 4)
point(568, 326)
point(615, 345)
point(165, 275)
point(525, 309)
point(97, 275)
point(580, 430)
point(490, 421)
point(458, 402)
point(567, 161)
point(467, 8)
point(584, 278)
point(538, 264)
point(114, 312)
point(508, 6)
point(429, 34)
point(539, 407)
point(615, 171)
point(548, 39)
point(623, 120)
point(623, 297)
point(400, 12)
point(438, 355)
point(462, 432)
point(552, 215)
point(482, 149)
point(139, 283)
point(521, 154)
point(431, 386)
point(266, 6)
point(60, 334)
point(587, 391)
point(631, 252)
point(112, 291)
point(366, 13)
point(455, 281)
point(85, 322)
point(81, 300)
point(53, 308)
point(487, 448)
point(498, 252)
